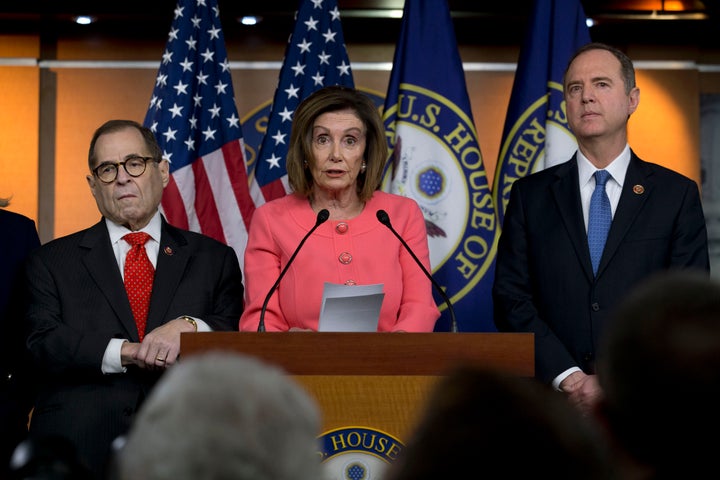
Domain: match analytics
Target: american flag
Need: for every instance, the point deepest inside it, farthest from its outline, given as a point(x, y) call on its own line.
point(193, 115)
point(315, 57)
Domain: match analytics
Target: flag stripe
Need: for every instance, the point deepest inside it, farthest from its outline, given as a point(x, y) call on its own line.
point(205, 208)
point(173, 206)
point(237, 176)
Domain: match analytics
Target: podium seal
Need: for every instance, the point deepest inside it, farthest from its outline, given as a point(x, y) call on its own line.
point(357, 453)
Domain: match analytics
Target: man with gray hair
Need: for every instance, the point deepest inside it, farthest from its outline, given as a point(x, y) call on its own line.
point(224, 416)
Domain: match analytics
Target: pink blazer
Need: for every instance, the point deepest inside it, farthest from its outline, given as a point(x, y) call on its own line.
point(361, 251)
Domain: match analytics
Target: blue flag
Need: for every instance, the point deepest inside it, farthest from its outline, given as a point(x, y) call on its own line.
point(536, 133)
point(193, 115)
point(315, 57)
point(435, 159)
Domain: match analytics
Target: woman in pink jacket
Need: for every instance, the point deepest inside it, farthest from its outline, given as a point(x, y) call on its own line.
point(335, 162)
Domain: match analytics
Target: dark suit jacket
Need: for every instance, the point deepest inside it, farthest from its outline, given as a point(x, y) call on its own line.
point(19, 237)
point(78, 303)
point(544, 282)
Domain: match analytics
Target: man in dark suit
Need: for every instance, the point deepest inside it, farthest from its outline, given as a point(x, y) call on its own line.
point(96, 364)
point(19, 237)
point(545, 281)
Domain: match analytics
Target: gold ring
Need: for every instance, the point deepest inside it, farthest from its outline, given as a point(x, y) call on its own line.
point(160, 359)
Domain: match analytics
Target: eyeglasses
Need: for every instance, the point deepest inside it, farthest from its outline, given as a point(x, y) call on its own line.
point(134, 166)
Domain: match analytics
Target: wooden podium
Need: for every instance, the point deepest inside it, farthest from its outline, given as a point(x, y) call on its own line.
point(378, 380)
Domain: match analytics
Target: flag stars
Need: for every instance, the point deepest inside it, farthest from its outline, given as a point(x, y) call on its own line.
point(233, 121)
point(225, 65)
point(201, 78)
point(169, 134)
point(190, 143)
point(279, 137)
point(335, 13)
point(214, 111)
point(167, 57)
point(318, 79)
point(191, 43)
point(221, 87)
point(181, 88)
point(176, 110)
point(343, 68)
point(304, 46)
point(196, 21)
point(179, 12)
point(324, 58)
point(173, 35)
point(274, 161)
point(214, 33)
point(209, 133)
point(298, 69)
point(208, 55)
point(186, 65)
point(292, 91)
point(161, 80)
point(317, 3)
point(197, 100)
point(193, 122)
point(311, 24)
point(286, 115)
point(329, 36)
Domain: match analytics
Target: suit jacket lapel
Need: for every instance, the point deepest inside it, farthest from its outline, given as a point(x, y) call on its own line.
point(567, 198)
point(100, 262)
point(628, 207)
point(171, 263)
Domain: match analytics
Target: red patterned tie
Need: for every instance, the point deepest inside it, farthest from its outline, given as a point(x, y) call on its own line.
point(139, 274)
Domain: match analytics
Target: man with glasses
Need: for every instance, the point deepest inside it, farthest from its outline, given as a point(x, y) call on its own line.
point(108, 304)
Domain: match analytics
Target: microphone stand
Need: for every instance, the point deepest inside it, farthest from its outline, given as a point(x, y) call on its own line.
point(322, 217)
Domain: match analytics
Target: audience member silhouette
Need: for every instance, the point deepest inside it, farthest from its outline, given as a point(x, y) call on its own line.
point(501, 426)
point(223, 416)
point(660, 373)
point(19, 237)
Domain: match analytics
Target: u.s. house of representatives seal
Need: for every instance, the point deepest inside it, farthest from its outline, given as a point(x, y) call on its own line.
point(436, 160)
point(357, 453)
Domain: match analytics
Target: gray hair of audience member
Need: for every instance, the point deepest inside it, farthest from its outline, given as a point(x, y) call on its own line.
point(224, 416)
point(659, 367)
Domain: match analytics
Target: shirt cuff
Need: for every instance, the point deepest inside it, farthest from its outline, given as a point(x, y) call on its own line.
point(202, 326)
point(112, 360)
point(558, 380)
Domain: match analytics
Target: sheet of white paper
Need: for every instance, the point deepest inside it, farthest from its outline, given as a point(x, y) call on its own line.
point(348, 308)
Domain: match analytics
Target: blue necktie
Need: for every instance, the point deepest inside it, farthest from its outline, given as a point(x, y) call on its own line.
point(600, 218)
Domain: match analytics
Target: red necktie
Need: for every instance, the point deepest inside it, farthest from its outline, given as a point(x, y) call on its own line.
point(139, 274)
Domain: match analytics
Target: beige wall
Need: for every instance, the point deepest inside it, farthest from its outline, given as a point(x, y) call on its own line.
point(74, 101)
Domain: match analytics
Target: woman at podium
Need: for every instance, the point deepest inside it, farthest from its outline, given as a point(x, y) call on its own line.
point(335, 227)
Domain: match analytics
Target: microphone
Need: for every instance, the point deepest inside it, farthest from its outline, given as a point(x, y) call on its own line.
point(322, 217)
point(383, 217)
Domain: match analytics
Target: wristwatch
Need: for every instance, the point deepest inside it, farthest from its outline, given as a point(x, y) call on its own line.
point(190, 320)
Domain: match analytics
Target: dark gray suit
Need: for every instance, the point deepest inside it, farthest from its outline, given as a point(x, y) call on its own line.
point(543, 276)
point(78, 303)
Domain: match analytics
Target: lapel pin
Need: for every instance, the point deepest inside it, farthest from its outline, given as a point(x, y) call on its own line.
point(638, 189)
point(168, 251)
